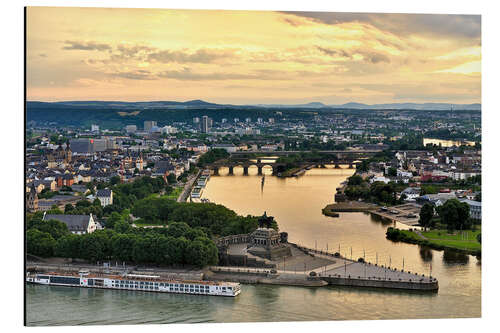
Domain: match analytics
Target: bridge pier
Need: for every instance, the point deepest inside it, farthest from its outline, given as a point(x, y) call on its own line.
point(259, 160)
point(337, 166)
point(275, 170)
point(231, 170)
point(259, 170)
point(245, 170)
point(351, 166)
point(216, 171)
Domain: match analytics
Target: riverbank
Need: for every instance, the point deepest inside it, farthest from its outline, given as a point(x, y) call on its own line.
point(188, 187)
point(347, 206)
point(437, 240)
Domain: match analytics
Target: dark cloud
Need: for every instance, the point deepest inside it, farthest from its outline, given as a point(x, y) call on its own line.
point(135, 75)
point(444, 25)
point(370, 56)
point(86, 46)
point(202, 56)
point(333, 52)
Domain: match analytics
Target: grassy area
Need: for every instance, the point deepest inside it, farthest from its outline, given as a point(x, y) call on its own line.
point(174, 194)
point(460, 239)
point(441, 239)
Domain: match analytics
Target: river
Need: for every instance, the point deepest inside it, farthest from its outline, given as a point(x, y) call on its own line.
point(448, 143)
point(296, 204)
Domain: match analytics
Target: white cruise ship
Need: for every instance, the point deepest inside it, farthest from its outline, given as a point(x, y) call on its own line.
point(153, 283)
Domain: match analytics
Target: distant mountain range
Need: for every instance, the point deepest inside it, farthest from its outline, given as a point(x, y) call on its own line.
point(202, 104)
point(406, 106)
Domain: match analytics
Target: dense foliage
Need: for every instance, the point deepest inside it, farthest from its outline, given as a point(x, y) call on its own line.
point(426, 215)
point(212, 156)
point(455, 215)
point(177, 244)
point(216, 219)
point(377, 192)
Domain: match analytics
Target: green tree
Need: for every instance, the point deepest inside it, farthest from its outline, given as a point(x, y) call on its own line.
point(393, 172)
point(426, 215)
point(355, 180)
point(171, 179)
point(40, 243)
point(455, 214)
point(68, 246)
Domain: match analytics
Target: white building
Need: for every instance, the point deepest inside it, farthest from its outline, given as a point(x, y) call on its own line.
point(77, 224)
point(131, 128)
point(105, 196)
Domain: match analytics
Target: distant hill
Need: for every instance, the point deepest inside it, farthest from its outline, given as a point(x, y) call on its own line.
point(391, 106)
point(196, 104)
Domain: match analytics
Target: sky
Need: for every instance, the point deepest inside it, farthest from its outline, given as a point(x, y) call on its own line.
point(251, 57)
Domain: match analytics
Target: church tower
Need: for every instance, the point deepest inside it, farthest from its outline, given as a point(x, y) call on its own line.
point(68, 154)
point(32, 200)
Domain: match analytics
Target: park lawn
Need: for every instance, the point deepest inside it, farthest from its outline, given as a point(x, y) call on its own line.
point(464, 245)
point(442, 238)
point(465, 240)
point(466, 235)
point(174, 194)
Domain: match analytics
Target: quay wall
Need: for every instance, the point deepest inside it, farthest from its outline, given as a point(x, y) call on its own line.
point(352, 282)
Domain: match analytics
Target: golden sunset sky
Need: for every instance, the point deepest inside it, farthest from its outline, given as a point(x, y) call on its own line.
point(249, 57)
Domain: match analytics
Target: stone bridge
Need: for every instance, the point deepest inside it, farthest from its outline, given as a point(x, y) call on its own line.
point(279, 167)
point(246, 164)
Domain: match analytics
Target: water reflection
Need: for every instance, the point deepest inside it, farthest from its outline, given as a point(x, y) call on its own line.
point(454, 257)
point(425, 253)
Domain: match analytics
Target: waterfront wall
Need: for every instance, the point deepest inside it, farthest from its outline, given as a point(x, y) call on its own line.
point(353, 282)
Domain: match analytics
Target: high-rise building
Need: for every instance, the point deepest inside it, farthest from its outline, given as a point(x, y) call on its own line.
point(248, 120)
point(149, 124)
point(196, 120)
point(271, 120)
point(236, 120)
point(94, 128)
point(130, 128)
point(206, 124)
point(224, 120)
point(259, 120)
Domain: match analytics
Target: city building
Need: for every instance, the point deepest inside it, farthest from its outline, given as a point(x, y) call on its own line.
point(131, 128)
point(77, 224)
point(149, 124)
point(105, 196)
point(206, 124)
point(32, 200)
point(474, 208)
point(94, 128)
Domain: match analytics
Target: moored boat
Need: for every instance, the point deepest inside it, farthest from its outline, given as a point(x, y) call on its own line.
point(152, 283)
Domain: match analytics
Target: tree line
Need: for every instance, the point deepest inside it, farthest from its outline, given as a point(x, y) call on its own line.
point(179, 244)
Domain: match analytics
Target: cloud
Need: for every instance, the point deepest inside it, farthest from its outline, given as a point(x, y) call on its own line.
point(332, 52)
point(139, 74)
point(202, 56)
point(86, 46)
point(187, 74)
point(444, 25)
point(370, 56)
